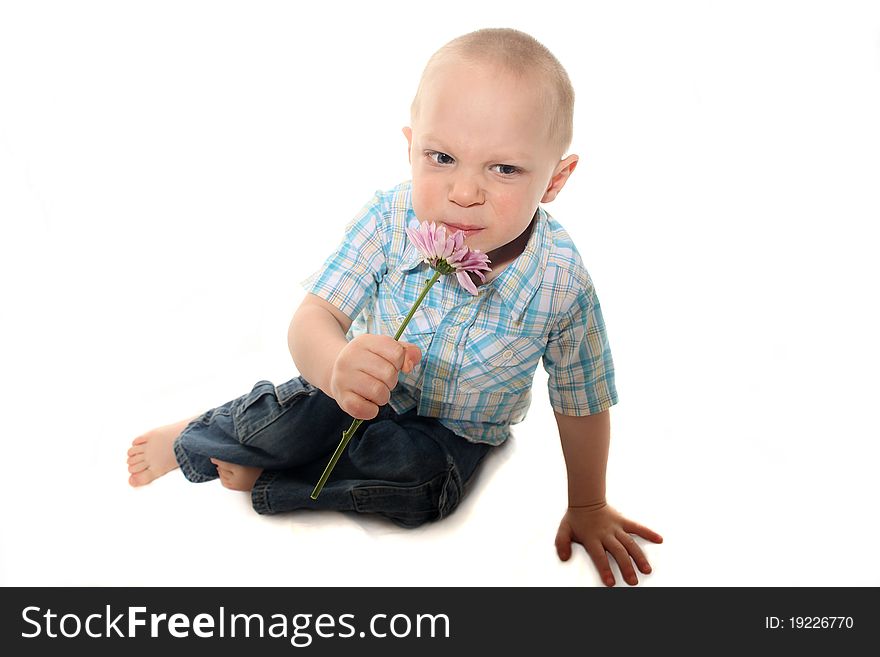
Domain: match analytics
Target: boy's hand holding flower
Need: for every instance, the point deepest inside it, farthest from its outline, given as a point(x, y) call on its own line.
point(366, 370)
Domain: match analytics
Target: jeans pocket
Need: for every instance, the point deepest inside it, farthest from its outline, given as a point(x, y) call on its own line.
point(411, 506)
point(264, 404)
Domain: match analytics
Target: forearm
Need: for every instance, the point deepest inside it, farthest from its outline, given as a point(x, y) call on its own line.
point(585, 442)
point(315, 339)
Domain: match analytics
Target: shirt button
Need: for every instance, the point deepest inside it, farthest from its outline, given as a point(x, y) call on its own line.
point(507, 355)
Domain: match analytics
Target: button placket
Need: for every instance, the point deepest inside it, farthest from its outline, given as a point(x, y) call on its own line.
point(463, 332)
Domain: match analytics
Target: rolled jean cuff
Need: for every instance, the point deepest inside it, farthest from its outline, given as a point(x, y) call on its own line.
point(260, 492)
point(187, 468)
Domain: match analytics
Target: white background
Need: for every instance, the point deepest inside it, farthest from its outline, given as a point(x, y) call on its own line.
point(170, 171)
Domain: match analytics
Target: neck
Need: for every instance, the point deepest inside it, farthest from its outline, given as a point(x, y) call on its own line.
point(504, 255)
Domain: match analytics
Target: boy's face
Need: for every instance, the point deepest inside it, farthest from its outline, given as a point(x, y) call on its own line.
point(481, 154)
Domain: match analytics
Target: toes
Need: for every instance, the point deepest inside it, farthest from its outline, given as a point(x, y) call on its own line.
point(140, 478)
point(136, 458)
point(138, 467)
point(134, 451)
point(140, 440)
point(236, 477)
point(231, 484)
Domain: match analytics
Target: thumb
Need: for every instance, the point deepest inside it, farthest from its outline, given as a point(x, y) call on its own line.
point(412, 355)
point(563, 542)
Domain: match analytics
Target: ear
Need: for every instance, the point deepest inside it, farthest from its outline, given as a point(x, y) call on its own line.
point(407, 132)
point(560, 177)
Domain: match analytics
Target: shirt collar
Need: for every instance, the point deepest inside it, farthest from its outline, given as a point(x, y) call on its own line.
point(518, 283)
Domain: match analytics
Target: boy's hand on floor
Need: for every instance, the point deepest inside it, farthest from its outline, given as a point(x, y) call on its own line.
point(366, 371)
point(599, 529)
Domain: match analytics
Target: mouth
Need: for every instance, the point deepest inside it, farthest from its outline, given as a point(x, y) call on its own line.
point(467, 230)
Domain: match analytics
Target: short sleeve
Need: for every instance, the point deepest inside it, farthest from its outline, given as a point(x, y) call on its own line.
point(350, 277)
point(578, 360)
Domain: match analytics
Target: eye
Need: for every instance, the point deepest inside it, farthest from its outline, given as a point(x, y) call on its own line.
point(440, 158)
point(506, 169)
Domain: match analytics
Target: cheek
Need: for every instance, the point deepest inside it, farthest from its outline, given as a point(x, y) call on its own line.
point(424, 196)
point(523, 200)
point(514, 210)
point(508, 205)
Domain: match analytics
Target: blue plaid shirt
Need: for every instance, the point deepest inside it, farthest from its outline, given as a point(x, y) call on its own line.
point(479, 353)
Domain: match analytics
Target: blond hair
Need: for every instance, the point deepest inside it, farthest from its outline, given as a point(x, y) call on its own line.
point(520, 54)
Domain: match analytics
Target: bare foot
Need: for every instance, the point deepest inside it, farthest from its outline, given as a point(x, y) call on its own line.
point(152, 454)
point(237, 477)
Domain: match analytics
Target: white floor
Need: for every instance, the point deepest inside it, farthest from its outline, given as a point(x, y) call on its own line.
point(154, 231)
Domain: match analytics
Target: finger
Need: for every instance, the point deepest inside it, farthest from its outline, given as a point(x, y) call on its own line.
point(634, 550)
point(412, 355)
point(356, 406)
point(389, 349)
point(563, 542)
point(624, 563)
point(635, 528)
point(600, 560)
point(377, 367)
point(370, 388)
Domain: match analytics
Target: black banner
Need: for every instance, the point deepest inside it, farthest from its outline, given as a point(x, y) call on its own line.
point(431, 621)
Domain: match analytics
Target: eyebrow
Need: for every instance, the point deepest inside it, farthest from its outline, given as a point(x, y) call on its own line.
point(509, 156)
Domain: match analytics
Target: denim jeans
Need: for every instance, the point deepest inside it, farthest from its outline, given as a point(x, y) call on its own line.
point(407, 468)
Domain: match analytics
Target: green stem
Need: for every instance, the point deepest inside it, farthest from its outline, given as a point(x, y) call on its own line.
point(347, 435)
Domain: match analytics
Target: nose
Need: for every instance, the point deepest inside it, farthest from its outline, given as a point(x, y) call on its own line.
point(465, 190)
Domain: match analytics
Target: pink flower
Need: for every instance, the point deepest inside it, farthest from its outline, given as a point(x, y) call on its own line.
point(448, 254)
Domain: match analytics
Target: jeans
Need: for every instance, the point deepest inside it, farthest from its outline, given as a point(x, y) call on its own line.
point(407, 468)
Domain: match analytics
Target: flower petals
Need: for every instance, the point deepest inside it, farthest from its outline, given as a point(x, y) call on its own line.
point(465, 281)
point(449, 253)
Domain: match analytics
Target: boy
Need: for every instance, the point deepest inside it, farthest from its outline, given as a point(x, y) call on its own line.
point(491, 120)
